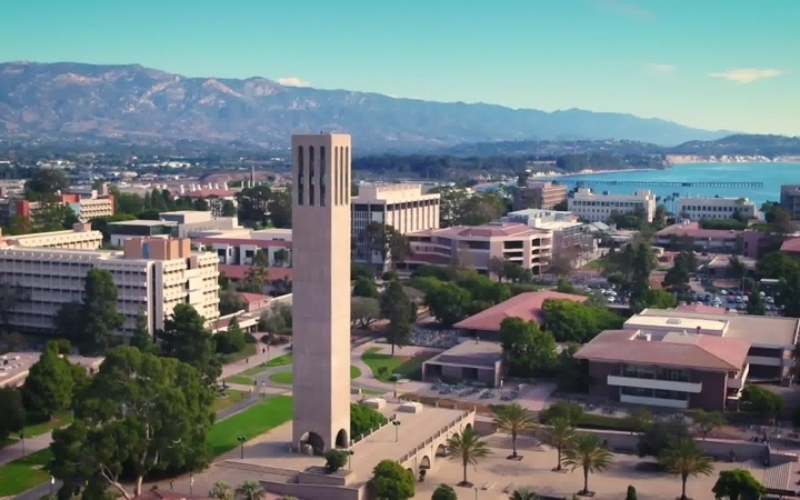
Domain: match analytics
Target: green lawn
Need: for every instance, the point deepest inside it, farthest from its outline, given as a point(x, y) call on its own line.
point(384, 365)
point(231, 397)
point(286, 377)
point(25, 473)
point(595, 265)
point(249, 350)
point(240, 379)
point(284, 360)
point(61, 420)
point(250, 423)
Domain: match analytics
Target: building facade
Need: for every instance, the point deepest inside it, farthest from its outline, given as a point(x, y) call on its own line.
point(567, 231)
point(238, 248)
point(541, 195)
point(404, 207)
point(790, 199)
point(599, 207)
point(475, 247)
point(151, 275)
point(698, 209)
point(81, 237)
point(321, 291)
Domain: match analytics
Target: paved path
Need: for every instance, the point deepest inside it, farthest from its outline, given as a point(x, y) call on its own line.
point(18, 449)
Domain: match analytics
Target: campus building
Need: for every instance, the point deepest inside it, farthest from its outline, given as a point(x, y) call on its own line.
point(689, 235)
point(404, 207)
point(151, 276)
point(790, 199)
point(594, 207)
point(679, 358)
point(568, 231)
point(178, 224)
point(704, 208)
point(80, 237)
point(539, 194)
point(475, 246)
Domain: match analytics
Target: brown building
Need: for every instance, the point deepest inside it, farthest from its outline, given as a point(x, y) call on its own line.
point(472, 361)
point(540, 195)
point(675, 370)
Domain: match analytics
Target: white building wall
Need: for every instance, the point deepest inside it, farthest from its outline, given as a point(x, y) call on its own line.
point(697, 208)
point(599, 207)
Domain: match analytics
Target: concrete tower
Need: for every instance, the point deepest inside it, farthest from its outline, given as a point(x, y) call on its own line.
point(321, 290)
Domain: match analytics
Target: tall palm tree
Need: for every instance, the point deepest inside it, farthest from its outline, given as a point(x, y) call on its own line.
point(250, 490)
point(467, 447)
point(685, 459)
point(587, 452)
point(221, 491)
point(524, 494)
point(513, 419)
point(560, 435)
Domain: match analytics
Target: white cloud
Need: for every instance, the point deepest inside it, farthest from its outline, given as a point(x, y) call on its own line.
point(293, 81)
point(662, 68)
point(746, 75)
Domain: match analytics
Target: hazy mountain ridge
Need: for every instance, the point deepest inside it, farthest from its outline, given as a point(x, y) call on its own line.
point(113, 101)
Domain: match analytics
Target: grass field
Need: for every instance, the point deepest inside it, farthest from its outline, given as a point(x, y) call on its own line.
point(250, 423)
point(286, 377)
point(240, 379)
point(249, 350)
point(233, 397)
point(284, 360)
point(25, 473)
point(30, 431)
point(384, 365)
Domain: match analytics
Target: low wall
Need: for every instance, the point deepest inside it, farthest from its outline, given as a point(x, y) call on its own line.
point(315, 492)
point(338, 478)
point(718, 448)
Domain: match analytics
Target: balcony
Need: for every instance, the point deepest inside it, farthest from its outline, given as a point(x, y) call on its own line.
point(649, 383)
point(644, 401)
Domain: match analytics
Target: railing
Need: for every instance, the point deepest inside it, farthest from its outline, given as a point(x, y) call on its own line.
point(376, 429)
point(436, 436)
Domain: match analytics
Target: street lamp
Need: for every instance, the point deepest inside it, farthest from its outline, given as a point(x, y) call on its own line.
point(396, 424)
point(476, 493)
point(22, 441)
point(191, 484)
point(241, 440)
point(350, 454)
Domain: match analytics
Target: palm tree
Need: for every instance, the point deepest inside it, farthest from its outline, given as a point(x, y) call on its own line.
point(560, 435)
point(524, 494)
point(221, 491)
point(250, 490)
point(686, 459)
point(586, 451)
point(467, 447)
point(513, 419)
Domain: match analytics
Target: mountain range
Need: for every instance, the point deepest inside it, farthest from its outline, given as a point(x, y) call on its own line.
point(63, 100)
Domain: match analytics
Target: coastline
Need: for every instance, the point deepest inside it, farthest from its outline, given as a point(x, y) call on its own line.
point(548, 175)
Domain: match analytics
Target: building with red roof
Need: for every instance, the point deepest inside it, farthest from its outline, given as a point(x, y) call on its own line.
point(475, 246)
point(682, 235)
point(526, 306)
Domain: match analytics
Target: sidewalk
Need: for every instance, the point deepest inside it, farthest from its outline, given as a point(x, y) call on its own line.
point(18, 450)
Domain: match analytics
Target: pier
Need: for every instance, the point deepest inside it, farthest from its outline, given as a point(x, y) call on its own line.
point(657, 184)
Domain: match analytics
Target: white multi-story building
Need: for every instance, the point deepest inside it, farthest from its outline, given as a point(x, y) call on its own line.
point(697, 208)
point(81, 237)
point(402, 206)
point(599, 207)
point(151, 276)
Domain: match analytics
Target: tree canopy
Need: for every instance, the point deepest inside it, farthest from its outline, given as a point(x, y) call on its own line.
point(571, 321)
point(527, 349)
point(186, 339)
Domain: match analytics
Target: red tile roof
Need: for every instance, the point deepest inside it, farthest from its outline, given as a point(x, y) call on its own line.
point(211, 240)
point(493, 230)
point(685, 350)
point(205, 193)
point(249, 298)
point(527, 306)
point(693, 230)
point(791, 245)
point(237, 272)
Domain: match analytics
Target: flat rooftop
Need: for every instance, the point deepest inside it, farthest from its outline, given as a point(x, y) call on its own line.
point(14, 366)
point(273, 449)
point(707, 326)
point(760, 331)
point(140, 222)
point(469, 352)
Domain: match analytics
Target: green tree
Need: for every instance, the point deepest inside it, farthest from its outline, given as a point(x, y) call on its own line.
point(659, 299)
point(364, 419)
point(392, 481)
point(280, 209)
point(49, 385)
point(468, 448)
point(448, 303)
point(641, 419)
point(707, 421)
point(100, 319)
point(570, 411)
point(250, 490)
point(12, 418)
point(513, 419)
point(396, 307)
point(571, 321)
point(186, 339)
point(257, 275)
point(776, 265)
point(737, 484)
point(221, 491)
point(631, 493)
point(45, 182)
point(140, 414)
point(444, 492)
point(685, 459)
point(231, 340)
point(281, 256)
point(228, 209)
point(677, 277)
point(659, 436)
point(527, 349)
point(762, 401)
point(524, 494)
point(364, 311)
point(587, 452)
point(755, 305)
point(365, 287)
point(141, 338)
point(560, 435)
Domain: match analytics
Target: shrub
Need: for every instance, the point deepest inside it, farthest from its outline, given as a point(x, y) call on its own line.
point(249, 338)
point(335, 460)
point(631, 495)
point(567, 410)
point(365, 288)
point(444, 492)
point(389, 275)
point(363, 419)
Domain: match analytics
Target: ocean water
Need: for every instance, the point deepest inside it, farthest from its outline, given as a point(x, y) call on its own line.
point(771, 174)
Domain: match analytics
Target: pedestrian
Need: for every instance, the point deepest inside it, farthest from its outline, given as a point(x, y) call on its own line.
point(247, 361)
point(172, 486)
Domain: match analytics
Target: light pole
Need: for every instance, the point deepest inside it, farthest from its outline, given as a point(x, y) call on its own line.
point(476, 493)
point(396, 424)
point(52, 482)
point(350, 454)
point(241, 440)
point(22, 440)
point(191, 484)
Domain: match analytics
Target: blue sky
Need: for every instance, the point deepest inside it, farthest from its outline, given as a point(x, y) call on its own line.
point(715, 64)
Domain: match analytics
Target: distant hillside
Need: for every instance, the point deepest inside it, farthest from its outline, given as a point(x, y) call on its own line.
point(742, 144)
point(62, 101)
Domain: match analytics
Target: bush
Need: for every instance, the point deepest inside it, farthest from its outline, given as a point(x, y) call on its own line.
point(229, 342)
point(363, 419)
point(659, 436)
point(390, 276)
point(335, 460)
point(64, 346)
point(567, 410)
point(631, 495)
point(444, 492)
point(249, 338)
point(365, 288)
